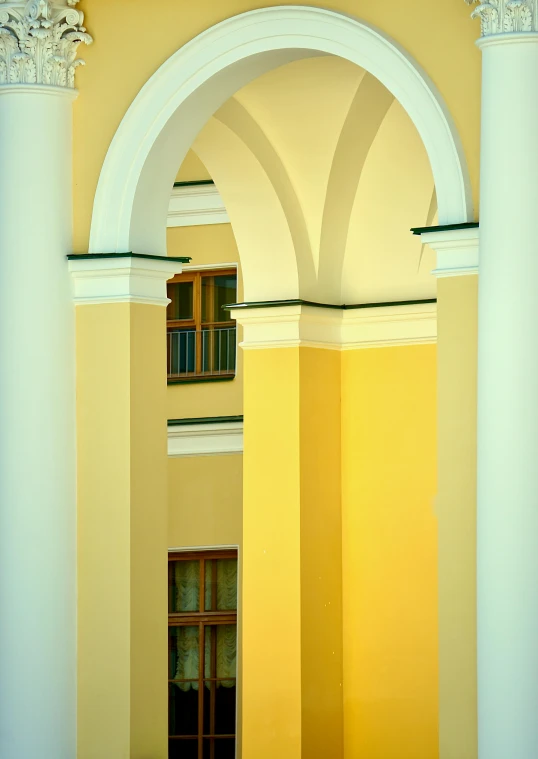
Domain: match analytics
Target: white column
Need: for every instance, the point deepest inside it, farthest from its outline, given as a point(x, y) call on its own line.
point(507, 526)
point(37, 427)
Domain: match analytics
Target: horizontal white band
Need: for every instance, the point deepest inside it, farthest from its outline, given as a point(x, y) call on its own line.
point(122, 280)
point(196, 205)
point(457, 251)
point(290, 326)
point(205, 439)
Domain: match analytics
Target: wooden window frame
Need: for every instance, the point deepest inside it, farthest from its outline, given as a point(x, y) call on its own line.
point(204, 618)
point(196, 323)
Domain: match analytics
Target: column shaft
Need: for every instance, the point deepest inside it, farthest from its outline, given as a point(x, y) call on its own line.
point(507, 527)
point(37, 427)
point(292, 562)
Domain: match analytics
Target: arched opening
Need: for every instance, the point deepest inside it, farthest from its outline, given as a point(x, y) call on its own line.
point(302, 236)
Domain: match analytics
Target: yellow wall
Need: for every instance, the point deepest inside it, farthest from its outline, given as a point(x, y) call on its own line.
point(122, 523)
point(456, 508)
point(390, 553)
point(440, 37)
point(205, 501)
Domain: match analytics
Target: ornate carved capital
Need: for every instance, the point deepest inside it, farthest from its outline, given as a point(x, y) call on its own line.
point(505, 16)
point(39, 41)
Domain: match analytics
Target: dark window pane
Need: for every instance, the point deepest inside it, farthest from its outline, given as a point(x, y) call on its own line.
point(183, 749)
point(224, 748)
point(182, 710)
point(181, 297)
point(183, 586)
point(221, 585)
point(219, 709)
point(219, 350)
point(217, 292)
point(181, 351)
point(183, 654)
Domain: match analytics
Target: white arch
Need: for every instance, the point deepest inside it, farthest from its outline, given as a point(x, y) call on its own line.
point(133, 191)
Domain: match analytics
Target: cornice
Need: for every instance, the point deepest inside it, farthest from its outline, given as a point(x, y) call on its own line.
point(194, 204)
point(39, 40)
point(500, 17)
point(457, 249)
point(299, 324)
point(205, 437)
point(123, 278)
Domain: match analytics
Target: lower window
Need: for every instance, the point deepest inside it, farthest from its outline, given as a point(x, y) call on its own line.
point(202, 654)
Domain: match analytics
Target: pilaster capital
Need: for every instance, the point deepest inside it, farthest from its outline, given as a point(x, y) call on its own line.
point(39, 41)
point(506, 16)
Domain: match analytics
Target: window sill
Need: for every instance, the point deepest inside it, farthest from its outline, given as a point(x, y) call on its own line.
point(196, 380)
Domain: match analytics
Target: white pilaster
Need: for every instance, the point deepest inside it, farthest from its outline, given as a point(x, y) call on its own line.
point(507, 529)
point(38, 43)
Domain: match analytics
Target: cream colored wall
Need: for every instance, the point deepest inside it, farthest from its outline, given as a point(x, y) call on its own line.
point(192, 169)
point(210, 244)
point(389, 550)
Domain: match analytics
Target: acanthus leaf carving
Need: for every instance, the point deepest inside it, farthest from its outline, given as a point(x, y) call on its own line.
point(39, 40)
point(506, 16)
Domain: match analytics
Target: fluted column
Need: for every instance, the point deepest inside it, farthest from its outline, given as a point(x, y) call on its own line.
point(38, 44)
point(507, 519)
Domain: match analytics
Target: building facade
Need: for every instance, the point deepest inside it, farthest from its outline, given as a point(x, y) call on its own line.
point(280, 260)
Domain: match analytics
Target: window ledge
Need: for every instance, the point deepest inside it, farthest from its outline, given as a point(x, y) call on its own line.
point(196, 380)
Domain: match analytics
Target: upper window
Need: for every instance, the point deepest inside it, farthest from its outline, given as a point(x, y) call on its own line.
point(201, 334)
point(202, 654)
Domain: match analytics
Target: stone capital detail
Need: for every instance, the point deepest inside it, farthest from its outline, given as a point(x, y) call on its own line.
point(39, 41)
point(506, 16)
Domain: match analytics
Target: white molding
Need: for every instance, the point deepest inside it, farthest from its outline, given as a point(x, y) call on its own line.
point(209, 267)
point(457, 251)
point(196, 205)
point(39, 42)
point(122, 280)
point(132, 195)
point(213, 439)
point(337, 329)
point(505, 17)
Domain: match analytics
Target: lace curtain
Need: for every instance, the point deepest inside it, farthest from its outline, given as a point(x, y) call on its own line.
point(187, 581)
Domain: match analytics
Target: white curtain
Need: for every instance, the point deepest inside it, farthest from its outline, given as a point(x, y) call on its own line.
point(187, 579)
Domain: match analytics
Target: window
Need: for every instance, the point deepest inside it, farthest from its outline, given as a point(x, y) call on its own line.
point(201, 334)
point(202, 654)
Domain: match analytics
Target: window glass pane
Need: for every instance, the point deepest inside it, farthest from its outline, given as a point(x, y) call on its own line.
point(183, 586)
point(183, 749)
point(219, 709)
point(181, 352)
point(221, 585)
point(184, 656)
point(223, 748)
point(218, 350)
point(217, 292)
point(182, 711)
point(181, 296)
point(220, 655)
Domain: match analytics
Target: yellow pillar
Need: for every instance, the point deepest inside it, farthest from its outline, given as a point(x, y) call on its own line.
point(292, 553)
point(457, 249)
point(122, 505)
point(456, 508)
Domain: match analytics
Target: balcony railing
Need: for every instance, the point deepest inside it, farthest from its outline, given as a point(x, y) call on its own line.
point(201, 353)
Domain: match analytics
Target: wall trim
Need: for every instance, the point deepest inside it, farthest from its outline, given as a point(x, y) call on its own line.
point(293, 325)
point(122, 278)
point(203, 437)
point(210, 267)
point(196, 204)
point(457, 249)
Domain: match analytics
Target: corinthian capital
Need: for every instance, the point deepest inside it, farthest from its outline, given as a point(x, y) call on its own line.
point(39, 41)
point(505, 16)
